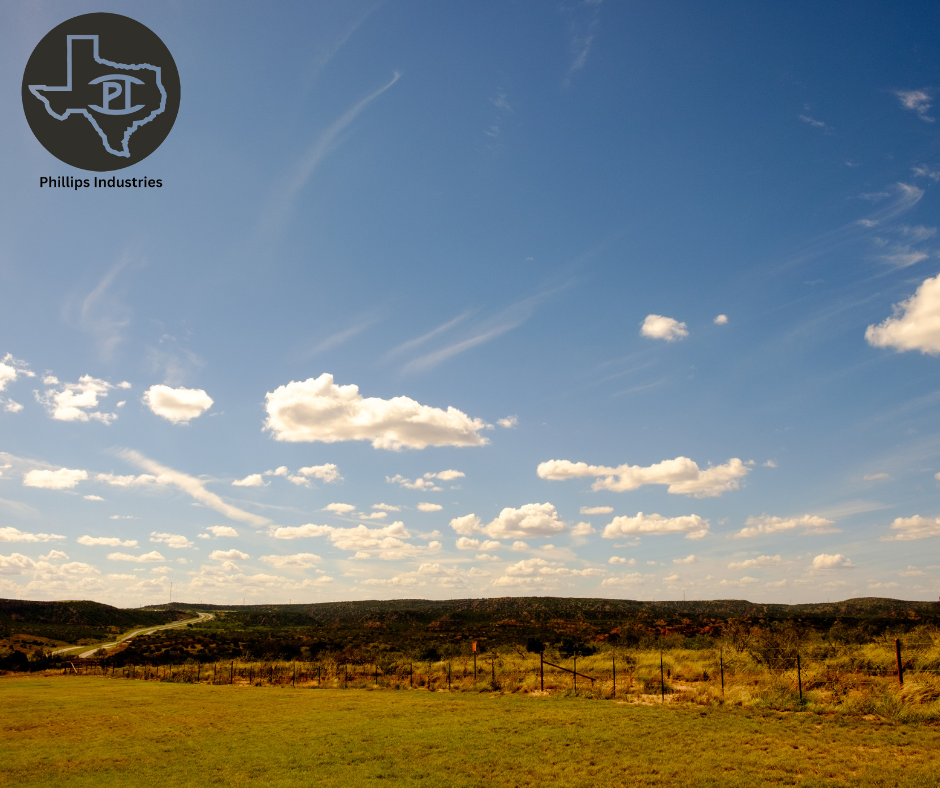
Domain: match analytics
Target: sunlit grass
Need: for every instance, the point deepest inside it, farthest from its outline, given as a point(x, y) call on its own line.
point(78, 731)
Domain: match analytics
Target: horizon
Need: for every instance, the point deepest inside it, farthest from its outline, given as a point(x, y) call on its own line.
point(596, 300)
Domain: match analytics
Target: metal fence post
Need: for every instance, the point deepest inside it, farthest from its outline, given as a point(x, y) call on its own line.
point(799, 677)
point(662, 677)
point(897, 651)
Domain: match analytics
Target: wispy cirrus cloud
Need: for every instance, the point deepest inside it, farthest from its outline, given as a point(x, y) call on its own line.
point(281, 205)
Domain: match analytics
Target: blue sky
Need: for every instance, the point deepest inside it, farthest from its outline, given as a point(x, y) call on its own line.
point(633, 300)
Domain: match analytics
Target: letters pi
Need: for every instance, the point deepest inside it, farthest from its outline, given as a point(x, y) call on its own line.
point(101, 92)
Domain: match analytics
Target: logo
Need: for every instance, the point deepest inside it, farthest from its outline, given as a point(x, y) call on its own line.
point(101, 92)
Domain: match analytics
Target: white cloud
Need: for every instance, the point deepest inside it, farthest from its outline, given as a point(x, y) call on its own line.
point(425, 485)
point(916, 322)
point(597, 509)
point(319, 410)
point(753, 563)
point(689, 559)
point(682, 475)
point(837, 561)
point(744, 581)
point(339, 508)
point(251, 480)
point(509, 422)
point(175, 541)
point(616, 559)
point(720, 320)
point(222, 530)
point(192, 486)
point(177, 405)
point(76, 401)
point(62, 479)
point(883, 586)
point(301, 531)
point(911, 528)
point(769, 464)
point(693, 526)
point(152, 557)
point(108, 541)
point(445, 476)
point(228, 555)
point(465, 543)
point(624, 580)
point(583, 529)
point(923, 171)
point(872, 477)
point(11, 368)
point(328, 473)
point(765, 524)
point(529, 520)
point(429, 507)
point(386, 507)
point(92, 497)
point(659, 327)
point(373, 516)
point(10, 534)
point(917, 101)
point(296, 561)
point(12, 407)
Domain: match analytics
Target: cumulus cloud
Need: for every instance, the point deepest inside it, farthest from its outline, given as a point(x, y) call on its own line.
point(175, 541)
point(318, 410)
point(385, 507)
point(509, 422)
point(529, 520)
point(596, 509)
point(689, 559)
point(152, 557)
point(177, 405)
point(10, 534)
point(915, 324)
point(427, 482)
point(62, 479)
point(301, 531)
point(328, 473)
point(92, 497)
point(188, 484)
point(754, 563)
point(77, 401)
point(659, 327)
point(429, 507)
point(296, 561)
point(583, 529)
point(251, 480)
point(228, 555)
point(11, 368)
point(720, 320)
point(616, 559)
point(837, 561)
point(386, 542)
point(682, 475)
point(693, 526)
point(916, 101)
point(631, 579)
point(339, 508)
point(765, 524)
point(107, 541)
point(222, 530)
point(743, 582)
point(911, 528)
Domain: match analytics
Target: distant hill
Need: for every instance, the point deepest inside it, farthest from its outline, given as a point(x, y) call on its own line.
point(532, 611)
point(72, 621)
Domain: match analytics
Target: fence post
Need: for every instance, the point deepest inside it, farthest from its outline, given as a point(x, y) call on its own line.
point(293, 681)
point(411, 674)
point(231, 679)
point(799, 677)
point(721, 661)
point(346, 684)
point(662, 677)
point(376, 666)
point(575, 674)
point(474, 664)
point(897, 651)
point(613, 664)
point(542, 670)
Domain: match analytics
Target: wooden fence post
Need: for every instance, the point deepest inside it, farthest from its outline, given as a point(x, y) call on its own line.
point(346, 684)
point(897, 652)
point(411, 674)
point(542, 670)
point(613, 665)
point(574, 675)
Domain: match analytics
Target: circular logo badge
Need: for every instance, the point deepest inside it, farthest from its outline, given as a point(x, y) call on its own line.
point(101, 92)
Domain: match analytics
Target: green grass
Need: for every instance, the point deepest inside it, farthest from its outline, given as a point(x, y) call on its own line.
point(80, 731)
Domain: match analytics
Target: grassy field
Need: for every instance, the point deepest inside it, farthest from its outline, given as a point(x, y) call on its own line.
point(83, 731)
